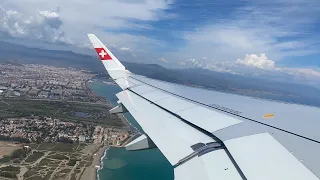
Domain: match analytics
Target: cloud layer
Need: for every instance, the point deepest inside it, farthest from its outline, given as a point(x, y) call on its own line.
point(74, 19)
point(42, 25)
point(254, 60)
point(229, 39)
point(279, 28)
point(259, 66)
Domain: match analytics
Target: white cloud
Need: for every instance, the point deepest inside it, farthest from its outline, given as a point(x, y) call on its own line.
point(52, 18)
point(128, 50)
point(163, 60)
point(280, 29)
point(217, 66)
point(258, 66)
point(125, 49)
point(304, 75)
point(263, 62)
point(74, 19)
point(257, 61)
point(217, 45)
point(303, 72)
point(250, 30)
point(42, 25)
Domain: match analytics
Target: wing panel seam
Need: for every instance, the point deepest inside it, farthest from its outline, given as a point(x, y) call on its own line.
point(203, 150)
point(235, 114)
point(199, 129)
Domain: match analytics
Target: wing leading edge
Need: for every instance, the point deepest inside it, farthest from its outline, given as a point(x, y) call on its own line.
point(192, 135)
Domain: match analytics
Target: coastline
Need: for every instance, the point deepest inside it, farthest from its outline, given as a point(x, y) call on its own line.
point(105, 100)
point(91, 172)
point(92, 93)
point(127, 122)
point(101, 162)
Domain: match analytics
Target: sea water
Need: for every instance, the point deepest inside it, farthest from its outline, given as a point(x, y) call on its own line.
point(119, 164)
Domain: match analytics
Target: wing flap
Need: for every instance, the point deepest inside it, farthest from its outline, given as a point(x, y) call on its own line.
point(262, 157)
point(210, 166)
point(154, 96)
point(173, 137)
point(208, 119)
point(200, 116)
point(143, 89)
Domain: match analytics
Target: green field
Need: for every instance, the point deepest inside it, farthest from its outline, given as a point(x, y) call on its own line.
point(5, 159)
point(34, 156)
point(9, 171)
point(59, 160)
point(58, 157)
point(95, 113)
point(61, 147)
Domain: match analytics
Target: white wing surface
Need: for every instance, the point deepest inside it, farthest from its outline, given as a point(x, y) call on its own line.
point(213, 135)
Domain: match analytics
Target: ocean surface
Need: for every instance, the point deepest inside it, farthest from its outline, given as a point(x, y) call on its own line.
point(119, 164)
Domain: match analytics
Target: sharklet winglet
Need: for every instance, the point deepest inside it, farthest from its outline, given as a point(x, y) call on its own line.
point(110, 62)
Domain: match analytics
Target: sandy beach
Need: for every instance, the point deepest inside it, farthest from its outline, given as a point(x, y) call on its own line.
point(90, 173)
point(125, 120)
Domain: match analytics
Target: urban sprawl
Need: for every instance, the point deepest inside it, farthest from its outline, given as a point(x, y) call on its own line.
point(35, 82)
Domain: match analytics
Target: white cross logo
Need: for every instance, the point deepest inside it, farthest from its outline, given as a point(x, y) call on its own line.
point(102, 53)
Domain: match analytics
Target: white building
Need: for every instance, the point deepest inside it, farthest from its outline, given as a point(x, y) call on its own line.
point(82, 138)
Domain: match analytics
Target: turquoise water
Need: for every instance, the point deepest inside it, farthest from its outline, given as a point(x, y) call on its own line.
point(109, 92)
point(120, 164)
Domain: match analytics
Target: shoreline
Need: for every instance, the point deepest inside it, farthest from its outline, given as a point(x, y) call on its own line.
point(91, 172)
point(104, 99)
point(92, 93)
point(101, 153)
point(127, 122)
point(101, 163)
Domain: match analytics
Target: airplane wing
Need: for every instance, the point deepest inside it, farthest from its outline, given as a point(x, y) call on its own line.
point(213, 135)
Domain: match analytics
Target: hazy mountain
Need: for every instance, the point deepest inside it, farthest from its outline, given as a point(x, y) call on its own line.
point(253, 86)
point(250, 86)
point(14, 52)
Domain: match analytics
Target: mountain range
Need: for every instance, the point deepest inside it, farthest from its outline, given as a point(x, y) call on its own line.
point(197, 77)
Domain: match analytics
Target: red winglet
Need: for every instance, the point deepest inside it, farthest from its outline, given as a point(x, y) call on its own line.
point(102, 53)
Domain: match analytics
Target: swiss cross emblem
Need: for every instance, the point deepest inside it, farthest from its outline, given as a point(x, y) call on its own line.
point(103, 54)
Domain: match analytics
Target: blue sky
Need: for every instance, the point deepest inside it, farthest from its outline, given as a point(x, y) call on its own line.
point(241, 37)
point(184, 16)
